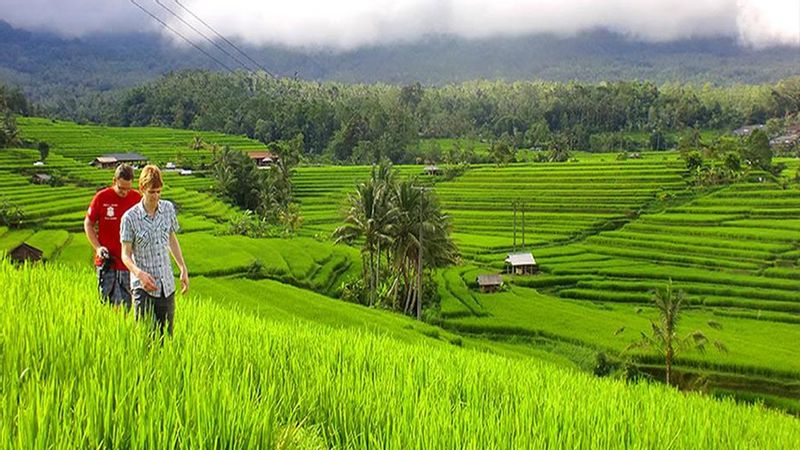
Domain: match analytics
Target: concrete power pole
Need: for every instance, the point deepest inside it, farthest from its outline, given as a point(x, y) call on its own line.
point(419, 258)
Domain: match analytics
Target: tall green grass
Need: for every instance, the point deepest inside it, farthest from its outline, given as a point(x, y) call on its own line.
point(76, 374)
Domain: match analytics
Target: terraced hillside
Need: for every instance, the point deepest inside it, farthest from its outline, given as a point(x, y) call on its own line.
point(604, 232)
point(562, 202)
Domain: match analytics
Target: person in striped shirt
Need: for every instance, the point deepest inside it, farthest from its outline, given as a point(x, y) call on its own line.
point(148, 237)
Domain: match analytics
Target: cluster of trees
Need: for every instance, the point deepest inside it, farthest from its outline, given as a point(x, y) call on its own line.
point(12, 102)
point(404, 235)
point(727, 158)
point(367, 123)
point(265, 193)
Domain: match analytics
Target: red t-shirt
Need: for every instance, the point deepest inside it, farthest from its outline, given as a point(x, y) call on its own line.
point(106, 210)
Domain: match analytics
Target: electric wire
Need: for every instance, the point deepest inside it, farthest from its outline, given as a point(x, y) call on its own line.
point(165, 25)
point(235, 47)
point(209, 40)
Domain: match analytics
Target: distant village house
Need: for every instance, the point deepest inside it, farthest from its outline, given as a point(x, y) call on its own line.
point(521, 264)
point(112, 160)
point(41, 178)
point(746, 130)
point(432, 170)
point(489, 283)
point(263, 159)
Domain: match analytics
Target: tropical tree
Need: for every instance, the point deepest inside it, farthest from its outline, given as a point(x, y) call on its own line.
point(44, 150)
point(197, 143)
point(369, 217)
point(664, 337)
point(401, 221)
point(757, 151)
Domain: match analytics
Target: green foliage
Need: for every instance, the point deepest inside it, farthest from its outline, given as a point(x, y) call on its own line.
point(248, 224)
point(11, 215)
point(239, 180)
point(44, 150)
point(503, 151)
point(402, 222)
point(664, 336)
point(757, 151)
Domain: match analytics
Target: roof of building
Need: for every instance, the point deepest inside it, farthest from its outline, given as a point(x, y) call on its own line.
point(489, 280)
point(261, 155)
point(520, 259)
point(120, 157)
point(747, 129)
point(25, 248)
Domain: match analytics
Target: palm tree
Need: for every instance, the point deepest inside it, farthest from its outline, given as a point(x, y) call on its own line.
point(369, 216)
point(197, 143)
point(418, 214)
point(664, 337)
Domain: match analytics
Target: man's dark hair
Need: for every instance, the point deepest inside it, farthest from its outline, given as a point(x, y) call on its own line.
point(124, 172)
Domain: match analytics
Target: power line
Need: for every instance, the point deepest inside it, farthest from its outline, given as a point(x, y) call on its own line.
point(163, 6)
point(165, 25)
point(223, 38)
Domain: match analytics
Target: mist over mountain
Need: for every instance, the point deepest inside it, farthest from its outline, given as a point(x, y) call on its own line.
point(51, 68)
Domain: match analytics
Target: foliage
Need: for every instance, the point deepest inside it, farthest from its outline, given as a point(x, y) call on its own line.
point(11, 215)
point(391, 217)
point(757, 152)
point(368, 123)
point(503, 151)
point(664, 336)
point(239, 180)
point(44, 150)
point(249, 224)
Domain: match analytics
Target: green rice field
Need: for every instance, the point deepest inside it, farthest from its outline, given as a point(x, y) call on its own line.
point(605, 234)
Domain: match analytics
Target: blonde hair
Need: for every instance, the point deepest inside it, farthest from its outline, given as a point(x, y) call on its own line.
point(150, 178)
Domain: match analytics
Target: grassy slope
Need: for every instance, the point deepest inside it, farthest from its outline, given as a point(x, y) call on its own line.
point(83, 375)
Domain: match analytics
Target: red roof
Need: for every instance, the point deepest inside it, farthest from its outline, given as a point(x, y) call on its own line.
point(261, 155)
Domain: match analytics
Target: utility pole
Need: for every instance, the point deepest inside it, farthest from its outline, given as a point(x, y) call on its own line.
point(419, 256)
point(523, 226)
point(514, 205)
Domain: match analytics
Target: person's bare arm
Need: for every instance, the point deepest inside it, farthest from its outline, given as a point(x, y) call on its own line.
point(175, 249)
point(127, 258)
point(91, 234)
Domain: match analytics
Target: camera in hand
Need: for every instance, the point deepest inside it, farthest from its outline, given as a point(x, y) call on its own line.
point(108, 260)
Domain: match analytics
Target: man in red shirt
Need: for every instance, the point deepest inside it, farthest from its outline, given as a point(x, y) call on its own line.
point(105, 213)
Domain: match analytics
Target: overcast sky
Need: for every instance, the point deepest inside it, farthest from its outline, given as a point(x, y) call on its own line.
point(345, 25)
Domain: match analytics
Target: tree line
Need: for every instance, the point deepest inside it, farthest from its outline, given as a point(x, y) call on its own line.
point(357, 123)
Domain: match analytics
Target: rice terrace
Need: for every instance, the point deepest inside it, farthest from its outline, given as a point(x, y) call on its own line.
point(566, 259)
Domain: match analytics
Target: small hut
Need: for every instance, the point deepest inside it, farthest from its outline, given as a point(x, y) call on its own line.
point(432, 170)
point(263, 159)
point(489, 283)
point(521, 264)
point(25, 252)
point(112, 160)
point(41, 178)
point(747, 130)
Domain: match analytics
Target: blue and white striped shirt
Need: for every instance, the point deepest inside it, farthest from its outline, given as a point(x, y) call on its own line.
point(149, 237)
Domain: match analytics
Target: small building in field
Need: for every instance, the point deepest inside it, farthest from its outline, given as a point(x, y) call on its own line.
point(786, 141)
point(263, 159)
point(489, 283)
point(746, 130)
point(41, 178)
point(521, 264)
point(25, 252)
point(112, 160)
point(432, 170)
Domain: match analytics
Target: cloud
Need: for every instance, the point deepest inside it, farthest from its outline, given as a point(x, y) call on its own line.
point(345, 25)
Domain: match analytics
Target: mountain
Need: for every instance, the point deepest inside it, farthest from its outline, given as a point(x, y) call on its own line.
point(52, 68)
